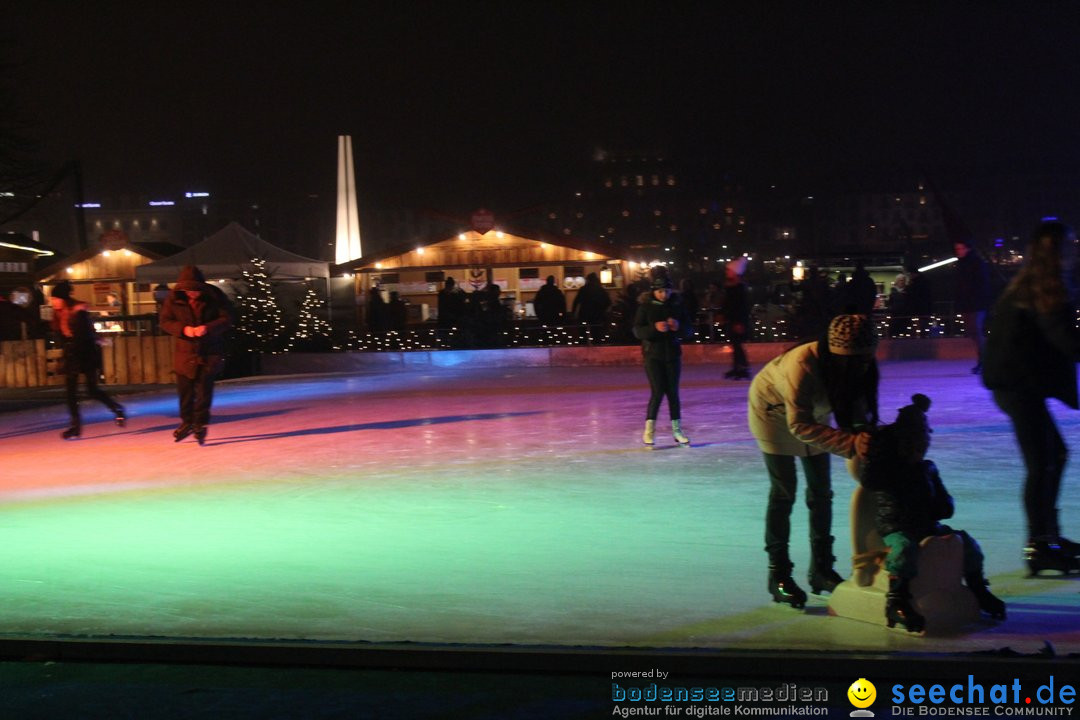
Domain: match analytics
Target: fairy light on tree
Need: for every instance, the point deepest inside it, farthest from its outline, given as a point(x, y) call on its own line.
point(311, 328)
point(262, 324)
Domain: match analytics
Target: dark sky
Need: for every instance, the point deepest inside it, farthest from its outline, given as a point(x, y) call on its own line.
point(454, 105)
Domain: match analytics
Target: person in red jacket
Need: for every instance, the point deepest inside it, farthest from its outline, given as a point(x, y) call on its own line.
point(197, 315)
point(81, 355)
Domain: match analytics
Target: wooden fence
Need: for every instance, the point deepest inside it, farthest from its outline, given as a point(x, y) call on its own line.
point(126, 360)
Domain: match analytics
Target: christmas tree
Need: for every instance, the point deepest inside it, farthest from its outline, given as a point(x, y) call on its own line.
point(262, 325)
point(312, 330)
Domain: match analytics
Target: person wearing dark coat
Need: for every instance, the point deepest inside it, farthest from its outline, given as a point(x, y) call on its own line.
point(82, 356)
point(1030, 356)
point(661, 323)
point(549, 303)
point(451, 304)
point(860, 292)
point(736, 311)
point(377, 315)
point(197, 315)
point(911, 502)
point(592, 301)
point(972, 298)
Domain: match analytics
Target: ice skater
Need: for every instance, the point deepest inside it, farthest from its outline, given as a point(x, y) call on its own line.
point(790, 402)
point(661, 323)
point(1030, 356)
point(197, 315)
point(736, 309)
point(911, 499)
point(81, 356)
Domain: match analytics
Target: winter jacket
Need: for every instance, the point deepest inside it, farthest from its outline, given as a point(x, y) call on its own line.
point(789, 407)
point(656, 345)
point(549, 304)
point(1032, 353)
point(736, 305)
point(911, 497)
point(211, 309)
point(79, 339)
point(972, 284)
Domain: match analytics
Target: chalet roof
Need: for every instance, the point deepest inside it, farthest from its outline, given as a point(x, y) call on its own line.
point(527, 235)
point(227, 253)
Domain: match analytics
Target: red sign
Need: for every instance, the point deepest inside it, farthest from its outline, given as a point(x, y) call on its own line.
point(483, 221)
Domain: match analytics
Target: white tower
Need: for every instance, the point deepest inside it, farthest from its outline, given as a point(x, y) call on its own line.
point(348, 222)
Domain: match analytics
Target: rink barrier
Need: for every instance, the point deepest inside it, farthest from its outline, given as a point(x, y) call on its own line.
point(147, 359)
point(604, 355)
point(126, 360)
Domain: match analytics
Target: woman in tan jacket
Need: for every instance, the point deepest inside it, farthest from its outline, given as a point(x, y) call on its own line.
point(790, 402)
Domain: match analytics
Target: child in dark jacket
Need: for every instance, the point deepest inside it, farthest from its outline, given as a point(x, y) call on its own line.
point(911, 500)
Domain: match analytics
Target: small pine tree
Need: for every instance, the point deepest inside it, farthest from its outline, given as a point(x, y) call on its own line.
point(312, 328)
point(262, 325)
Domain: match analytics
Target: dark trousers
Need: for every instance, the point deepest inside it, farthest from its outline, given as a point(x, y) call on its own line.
point(738, 352)
point(1044, 454)
point(782, 488)
point(196, 395)
point(92, 390)
point(663, 382)
point(974, 326)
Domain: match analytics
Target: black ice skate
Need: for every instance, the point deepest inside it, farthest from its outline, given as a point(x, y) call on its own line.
point(1043, 555)
point(783, 588)
point(898, 608)
point(988, 602)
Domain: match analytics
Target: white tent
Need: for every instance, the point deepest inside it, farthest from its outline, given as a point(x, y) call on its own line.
point(227, 253)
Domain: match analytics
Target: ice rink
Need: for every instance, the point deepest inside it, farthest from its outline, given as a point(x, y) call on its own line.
point(476, 506)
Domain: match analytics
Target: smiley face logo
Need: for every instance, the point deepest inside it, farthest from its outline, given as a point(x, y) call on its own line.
point(862, 693)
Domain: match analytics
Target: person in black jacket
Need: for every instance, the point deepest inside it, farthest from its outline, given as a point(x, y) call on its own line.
point(82, 356)
point(661, 323)
point(549, 303)
point(736, 311)
point(197, 315)
point(1030, 356)
point(911, 500)
point(972, 295)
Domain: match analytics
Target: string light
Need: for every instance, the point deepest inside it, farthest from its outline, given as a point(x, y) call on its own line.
point(262, 325)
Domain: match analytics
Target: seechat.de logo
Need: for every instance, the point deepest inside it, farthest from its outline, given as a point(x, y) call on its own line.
point(862, 694)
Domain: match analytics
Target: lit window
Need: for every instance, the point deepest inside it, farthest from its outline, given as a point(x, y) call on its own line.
point(640, 180)
point(656, 213)
point(552, 216)
point(626, 213)
point(671, 180)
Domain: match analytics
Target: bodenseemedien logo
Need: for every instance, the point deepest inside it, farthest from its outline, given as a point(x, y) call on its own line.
point(862, 694)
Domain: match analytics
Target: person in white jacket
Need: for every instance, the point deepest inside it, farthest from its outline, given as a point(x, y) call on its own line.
point(790, 404)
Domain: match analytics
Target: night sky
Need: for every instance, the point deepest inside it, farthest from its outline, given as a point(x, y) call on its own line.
point(456, 105)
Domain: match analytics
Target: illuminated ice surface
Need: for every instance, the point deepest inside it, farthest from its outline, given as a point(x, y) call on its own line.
point(460, 505)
